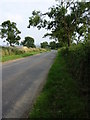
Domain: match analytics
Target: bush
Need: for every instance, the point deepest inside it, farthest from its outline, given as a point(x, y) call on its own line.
point(77, 58)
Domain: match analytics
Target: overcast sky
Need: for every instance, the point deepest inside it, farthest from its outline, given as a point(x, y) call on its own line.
point(19, 11)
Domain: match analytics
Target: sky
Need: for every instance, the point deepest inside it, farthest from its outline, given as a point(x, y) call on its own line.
point(19, 11)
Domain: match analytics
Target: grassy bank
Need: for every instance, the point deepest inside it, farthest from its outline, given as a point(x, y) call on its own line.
point(11, 53)
point(13, 57)
point(61, 96)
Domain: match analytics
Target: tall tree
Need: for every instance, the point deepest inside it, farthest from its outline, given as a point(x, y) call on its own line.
point(9, 31)
point(29, 42)
point(64, 20)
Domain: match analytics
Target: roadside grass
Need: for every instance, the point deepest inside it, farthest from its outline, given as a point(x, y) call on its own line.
point(11, 53)
point(60, 97)
point(13, 57)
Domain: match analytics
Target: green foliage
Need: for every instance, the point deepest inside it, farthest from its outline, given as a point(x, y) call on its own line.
point(10, 32)
point(78, 58)
point(28, 42)
point(52, 45)
point(78, 62)
point(60, 97)
point(34, 21)
point(66, 20)
point(56, 45)
point(44, 45)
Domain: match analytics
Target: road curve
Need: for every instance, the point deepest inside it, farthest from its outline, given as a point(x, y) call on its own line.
point(22, 80)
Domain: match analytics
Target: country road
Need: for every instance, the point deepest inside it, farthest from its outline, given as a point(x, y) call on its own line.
point(22, 80)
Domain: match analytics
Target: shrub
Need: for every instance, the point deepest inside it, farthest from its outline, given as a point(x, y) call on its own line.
point(78, 63)
point(78, 58)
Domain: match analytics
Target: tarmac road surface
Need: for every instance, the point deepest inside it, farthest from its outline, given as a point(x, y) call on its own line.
point(22, 80)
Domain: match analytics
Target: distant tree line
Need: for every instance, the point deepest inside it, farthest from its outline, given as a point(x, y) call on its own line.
point(51, 45)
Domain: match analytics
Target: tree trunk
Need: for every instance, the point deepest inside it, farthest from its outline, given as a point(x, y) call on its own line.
point(11, 45)
point(67, 31)
point(69, 40)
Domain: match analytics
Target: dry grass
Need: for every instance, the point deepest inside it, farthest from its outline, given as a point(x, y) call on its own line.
point(11, 53)
point(20, 50)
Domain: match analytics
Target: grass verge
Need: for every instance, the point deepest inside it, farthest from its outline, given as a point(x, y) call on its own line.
point(13, 57)
point(60, 97)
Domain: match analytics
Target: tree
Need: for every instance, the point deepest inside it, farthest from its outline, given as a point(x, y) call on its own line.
point(44, 45)
point(10, 32)
point(29, 42)
point(52, 45)
point(64, 20)
point(59, 45)
point(81, 23)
